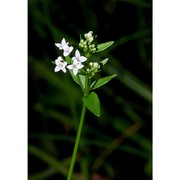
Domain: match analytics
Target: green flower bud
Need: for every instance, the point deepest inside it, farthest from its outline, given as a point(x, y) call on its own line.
point(90, 39)
point(88, 35)
point(96, 65)
point(85, 42)
point(91, 64)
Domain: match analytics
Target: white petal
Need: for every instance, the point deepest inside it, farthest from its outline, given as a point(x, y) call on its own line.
point(82, 58)
point(70, 66)
point(70, 49)
point(63, 41)
point(75, 71)
point(79, 66)
point(64, 63)
point(60, 58)
point(57, 44)
point(65, 48)
point(65, 53)
point(74, 59)
point(57, 68)
point(57, 61)
point(64, 70)
point(77, 54)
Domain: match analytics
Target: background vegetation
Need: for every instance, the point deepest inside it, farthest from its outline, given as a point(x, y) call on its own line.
point(118, 145)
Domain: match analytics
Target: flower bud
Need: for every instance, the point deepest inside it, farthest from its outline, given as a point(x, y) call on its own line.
point(91, 64)
point(90, 39)
point(96, 65)
point(88, 35)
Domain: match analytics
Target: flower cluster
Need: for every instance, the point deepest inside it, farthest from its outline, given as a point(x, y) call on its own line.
point(82, 69)
point(77, 60)
point(92, 68)
point(87, 45)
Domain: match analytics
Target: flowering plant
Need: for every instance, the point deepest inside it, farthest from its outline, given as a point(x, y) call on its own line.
point(83, 71)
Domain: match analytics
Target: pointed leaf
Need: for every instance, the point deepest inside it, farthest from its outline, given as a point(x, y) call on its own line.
point(75, 78)
point(82, 79)
point(102, 81)
point(92, 103)
point(103, 46)
point(103, 62)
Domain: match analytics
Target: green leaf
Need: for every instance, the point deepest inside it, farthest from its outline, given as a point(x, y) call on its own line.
point(102, 81)
point(103, 46)
point(68, 59)
point(92, 103)
point(103, 62)
point(75, 78)
point(82, 79)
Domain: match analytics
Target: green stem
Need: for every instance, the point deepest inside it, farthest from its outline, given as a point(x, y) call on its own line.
point(77, 142)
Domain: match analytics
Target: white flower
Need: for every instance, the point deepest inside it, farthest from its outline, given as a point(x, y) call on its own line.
point(67, 50)
point(62, 44)
point(75, 66)
point(78, 57)
point(60, 64)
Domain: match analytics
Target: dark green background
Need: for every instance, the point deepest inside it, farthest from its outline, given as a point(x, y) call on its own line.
point(118, 145)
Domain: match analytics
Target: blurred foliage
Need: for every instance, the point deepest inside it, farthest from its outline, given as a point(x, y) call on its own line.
point(118, 145)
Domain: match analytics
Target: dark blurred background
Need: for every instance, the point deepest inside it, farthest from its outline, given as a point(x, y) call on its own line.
point(118, 145)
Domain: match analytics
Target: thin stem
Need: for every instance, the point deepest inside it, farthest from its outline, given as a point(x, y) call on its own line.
point(77, 142)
